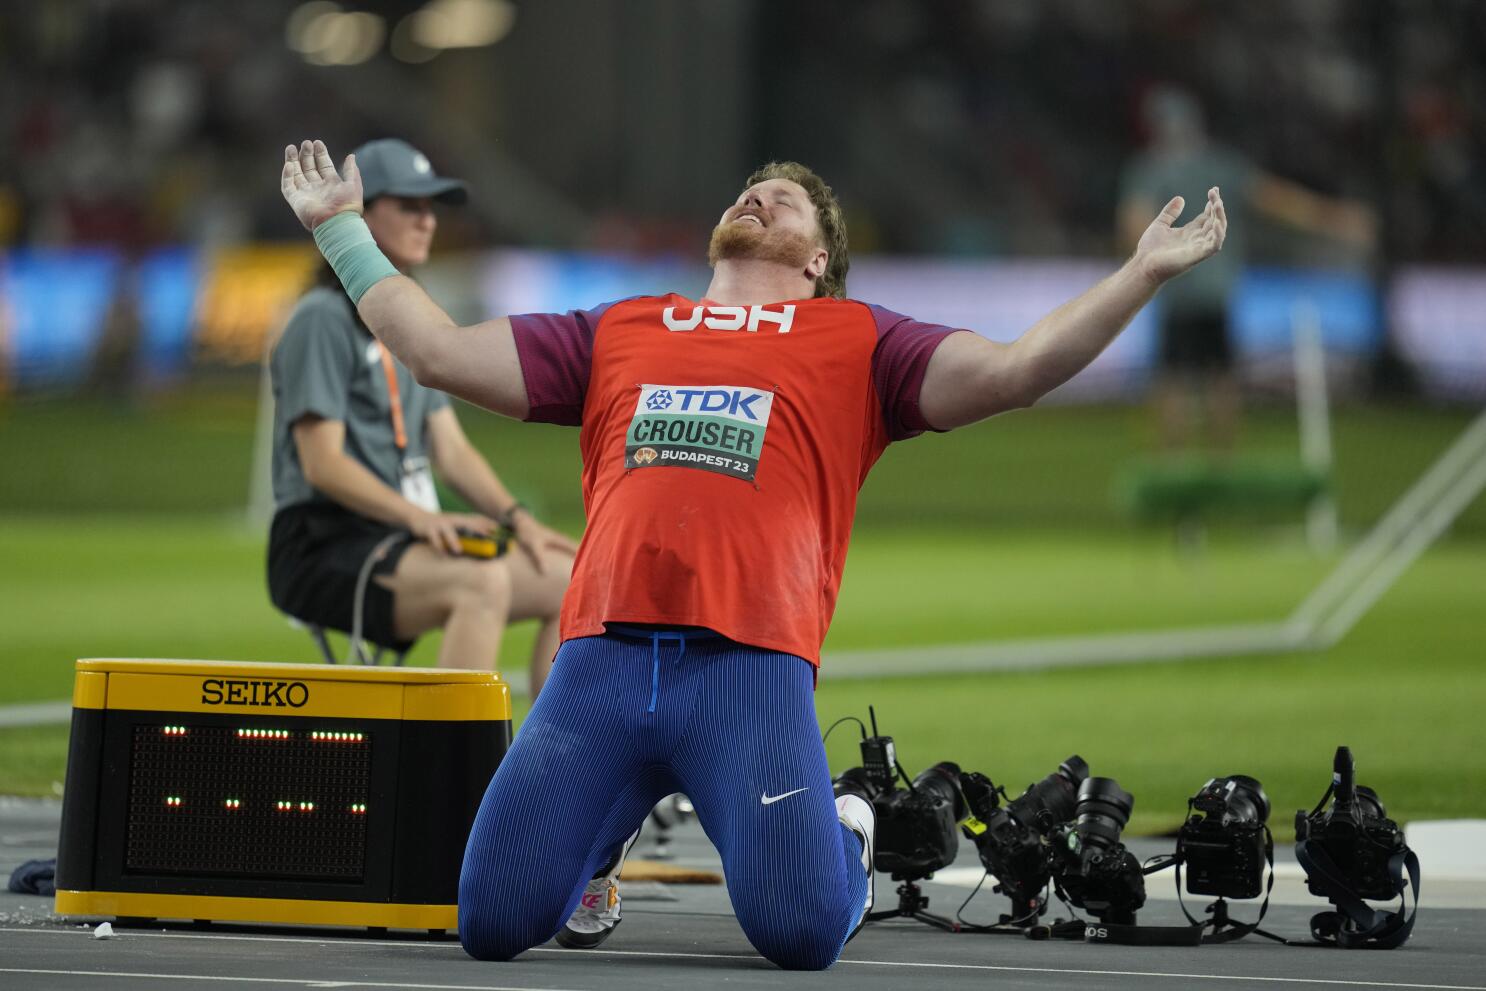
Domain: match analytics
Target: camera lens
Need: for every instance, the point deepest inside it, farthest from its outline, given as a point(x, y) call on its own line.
point(1051, 800)
point(943, 782)
point(1369, 803)
point(1074, 770)
point(1103, 810)
point(1248, 803)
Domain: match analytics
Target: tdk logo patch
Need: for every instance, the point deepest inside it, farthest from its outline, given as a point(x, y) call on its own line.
point(736, 403)
point(718, 428)
point(748, 318)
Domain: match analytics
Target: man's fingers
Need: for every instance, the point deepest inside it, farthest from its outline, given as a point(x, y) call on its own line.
point(350, 171)
point(450, 537)
point(292, 178)
point(323, 164)
point(307, 160)
point(293, 175)
point(1172, 210)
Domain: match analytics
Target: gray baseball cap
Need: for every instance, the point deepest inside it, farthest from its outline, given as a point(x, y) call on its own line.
point(392, 167)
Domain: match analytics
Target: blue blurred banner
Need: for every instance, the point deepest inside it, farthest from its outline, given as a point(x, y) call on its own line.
point(166, 288)
point(62, 312)
point(57, 303)
point(1267, 301)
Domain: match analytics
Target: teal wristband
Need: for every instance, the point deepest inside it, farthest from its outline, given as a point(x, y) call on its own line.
point(348, 245)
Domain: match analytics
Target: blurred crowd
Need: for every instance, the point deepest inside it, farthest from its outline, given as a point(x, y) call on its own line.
point(949, 126)
point(1018, 115)
point(135, 124)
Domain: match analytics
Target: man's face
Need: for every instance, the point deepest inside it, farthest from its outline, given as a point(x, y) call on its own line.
point(771, 221)
point(403, 227)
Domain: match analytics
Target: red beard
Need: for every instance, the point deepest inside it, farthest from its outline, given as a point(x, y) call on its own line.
point(766, 244)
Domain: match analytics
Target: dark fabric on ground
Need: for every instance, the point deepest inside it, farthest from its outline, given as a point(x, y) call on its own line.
point(35, 877)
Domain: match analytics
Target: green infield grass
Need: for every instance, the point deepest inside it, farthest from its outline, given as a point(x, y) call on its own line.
point(121, 535)
point(1403, 690)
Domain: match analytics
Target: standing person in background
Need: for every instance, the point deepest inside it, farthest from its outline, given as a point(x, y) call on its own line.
point(354, 442)
point(1195, 361)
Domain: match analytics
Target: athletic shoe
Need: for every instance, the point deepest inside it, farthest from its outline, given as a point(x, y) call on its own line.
point(597, 914)
point(856, 814)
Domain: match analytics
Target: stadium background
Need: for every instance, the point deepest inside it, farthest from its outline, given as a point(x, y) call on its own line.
point(146, 258)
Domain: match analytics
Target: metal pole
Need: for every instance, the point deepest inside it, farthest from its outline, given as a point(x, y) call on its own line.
point(1314, 413)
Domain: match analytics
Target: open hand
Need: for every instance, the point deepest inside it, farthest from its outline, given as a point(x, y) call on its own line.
point(312, 186)
point(1165, 251)
point(441, 530)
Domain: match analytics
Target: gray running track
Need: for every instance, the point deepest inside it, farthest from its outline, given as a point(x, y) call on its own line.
point(685, 936)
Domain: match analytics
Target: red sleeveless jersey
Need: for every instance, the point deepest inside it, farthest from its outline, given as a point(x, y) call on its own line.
point(723, 448)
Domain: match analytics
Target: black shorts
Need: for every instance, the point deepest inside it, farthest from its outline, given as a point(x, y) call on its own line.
point(315, 553)
point(1196, 341)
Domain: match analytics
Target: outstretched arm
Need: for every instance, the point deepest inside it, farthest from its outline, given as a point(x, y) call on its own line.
point(476, 363)
point(970, 378)
point(1291, 203)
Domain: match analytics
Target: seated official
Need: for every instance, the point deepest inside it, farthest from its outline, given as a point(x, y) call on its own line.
point(356, 442)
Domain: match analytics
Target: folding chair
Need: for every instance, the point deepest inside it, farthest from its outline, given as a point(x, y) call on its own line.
point(356, 648)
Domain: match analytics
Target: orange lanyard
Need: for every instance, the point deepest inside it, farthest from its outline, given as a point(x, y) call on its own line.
point(399, 432)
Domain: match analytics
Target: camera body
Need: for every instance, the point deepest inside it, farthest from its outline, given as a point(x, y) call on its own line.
point(1012, 841)
point(1224, 843)
point(1108, 883)
point(1356, 834)
point(916, 833)
point(1090, 865)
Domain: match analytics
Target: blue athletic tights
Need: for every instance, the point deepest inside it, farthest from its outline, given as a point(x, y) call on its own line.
point(624, 721)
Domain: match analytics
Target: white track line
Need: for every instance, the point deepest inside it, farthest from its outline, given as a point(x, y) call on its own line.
point(304, 982)
point(58, 712)
point(667, 955)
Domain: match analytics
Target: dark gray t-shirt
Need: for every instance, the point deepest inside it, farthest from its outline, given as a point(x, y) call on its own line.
point(1157, 176)
point(326, 363)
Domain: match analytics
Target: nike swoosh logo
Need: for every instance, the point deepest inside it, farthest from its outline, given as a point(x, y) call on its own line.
point(771, 799)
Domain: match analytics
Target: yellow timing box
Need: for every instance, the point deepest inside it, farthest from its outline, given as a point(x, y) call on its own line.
point(275, 793)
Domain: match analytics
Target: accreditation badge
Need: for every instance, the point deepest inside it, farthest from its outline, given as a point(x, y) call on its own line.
point(711, 427)
point(417, 484)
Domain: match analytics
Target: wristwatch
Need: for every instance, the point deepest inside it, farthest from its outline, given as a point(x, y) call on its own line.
point(508, 518)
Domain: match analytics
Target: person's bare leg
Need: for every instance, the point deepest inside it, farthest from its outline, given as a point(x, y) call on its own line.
point(538, 595)
point(473, 632)
point(542, 653)
point(469, 599)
